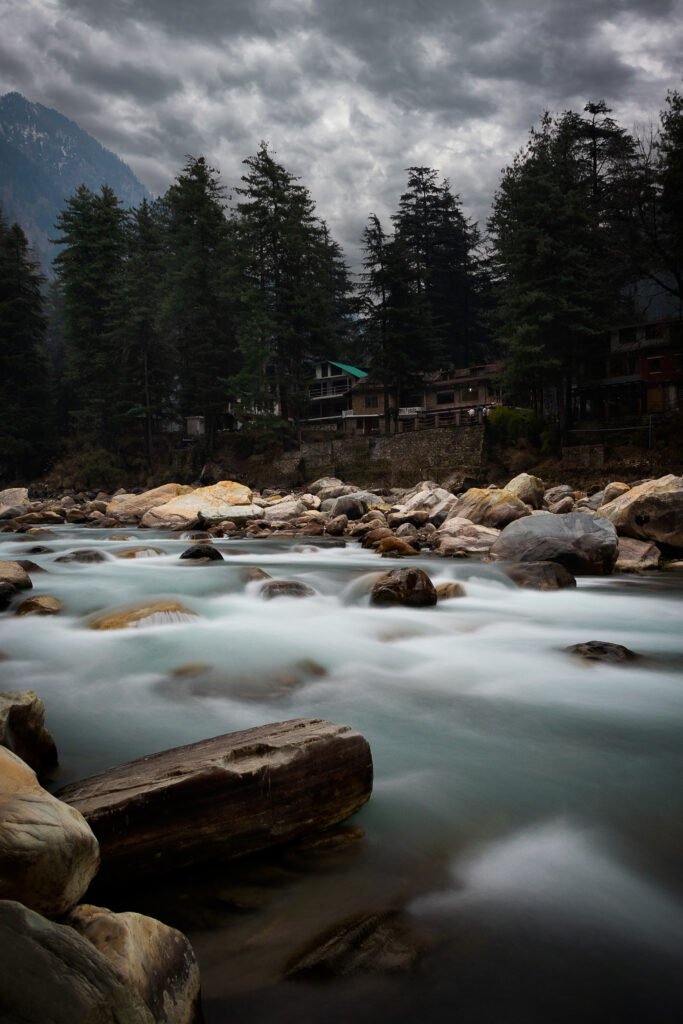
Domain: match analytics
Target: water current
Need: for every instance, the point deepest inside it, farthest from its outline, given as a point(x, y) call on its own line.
point(526, 817)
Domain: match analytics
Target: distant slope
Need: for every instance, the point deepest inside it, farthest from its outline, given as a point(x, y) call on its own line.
point(44, 157)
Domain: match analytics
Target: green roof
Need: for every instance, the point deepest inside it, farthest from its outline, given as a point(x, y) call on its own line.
point(348, 369)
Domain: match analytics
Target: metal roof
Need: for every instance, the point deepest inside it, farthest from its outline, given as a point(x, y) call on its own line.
point(348, 369)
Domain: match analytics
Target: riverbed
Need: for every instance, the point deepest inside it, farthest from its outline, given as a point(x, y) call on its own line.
point(527, 814)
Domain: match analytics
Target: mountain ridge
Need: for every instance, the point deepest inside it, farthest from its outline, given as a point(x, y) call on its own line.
point(44, 157)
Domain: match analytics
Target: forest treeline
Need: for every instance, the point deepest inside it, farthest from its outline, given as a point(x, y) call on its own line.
point(200, 302)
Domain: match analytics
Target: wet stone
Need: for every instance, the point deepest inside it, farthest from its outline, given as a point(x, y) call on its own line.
point(600, 650)
point(202, 552)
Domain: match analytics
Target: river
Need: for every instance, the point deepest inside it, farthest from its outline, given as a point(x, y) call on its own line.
point(527, 814)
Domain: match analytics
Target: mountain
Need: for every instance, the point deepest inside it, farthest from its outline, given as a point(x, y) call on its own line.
point(44, 157)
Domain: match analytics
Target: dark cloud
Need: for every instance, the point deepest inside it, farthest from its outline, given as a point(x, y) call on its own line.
point(348, 93)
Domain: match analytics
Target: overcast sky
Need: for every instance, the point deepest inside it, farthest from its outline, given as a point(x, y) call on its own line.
point(348, 93)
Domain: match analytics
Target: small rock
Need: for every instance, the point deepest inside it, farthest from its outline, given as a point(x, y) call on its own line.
point(41, 604)
point(614, 490)
point(600, 650)
point(22, 730)
point(139, 552)
point(445, 591)
point(286, 588)
point(394, 547)
point(86, 556)
point(154, 613)
point(336, 527)
point(637, 555)
point(563, 506)
point(7, 593)
point(203, 552)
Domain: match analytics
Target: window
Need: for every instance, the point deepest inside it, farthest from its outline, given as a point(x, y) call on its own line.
point(371, 402)
point(445, 397)
point(654, 364)
point(324, 370)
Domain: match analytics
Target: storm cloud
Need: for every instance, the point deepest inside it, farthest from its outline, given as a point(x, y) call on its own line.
point(349, 93)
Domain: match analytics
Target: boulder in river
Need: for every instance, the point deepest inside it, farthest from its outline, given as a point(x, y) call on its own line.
point(7, 594)
point(206, 504)
point(51, 973)
point(285, 588)
point(489, 507)
point(48, 854)
point(539, 575)
point(637, 555)
point(650, 511)
point(582, 544)
point(411, 587)
point(152, 959)
point(14, 501)
point(129, 508)
point(22, 730)
point(451, 589)
point(15, 575)
point(601, 650)
point(85, 555)
point(203, 553)
point(226, 796)
point(41, 604)
point(151, 613)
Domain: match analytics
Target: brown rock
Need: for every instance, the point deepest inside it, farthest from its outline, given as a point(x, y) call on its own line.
point(139, 552)
point(286, 588)
point(650, 511)
point(336, 527)
point(600, 650)
point(41, 604)
point(150, 958)
point(445, 591)
point(16, 575)
point(394, 547)
point(129, 508)
point(637, 555)
point(48, 853)
point(411, 587)
point(154, 613)
point(495, 507)
point(373, 537)
point(22, 730)
point(226, 796)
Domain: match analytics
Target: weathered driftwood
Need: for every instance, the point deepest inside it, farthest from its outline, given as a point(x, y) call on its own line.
point(224, 797)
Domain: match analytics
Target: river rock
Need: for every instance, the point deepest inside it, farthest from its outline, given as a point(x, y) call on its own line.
point(86, 556)
point(130, 508)
point(637, 555)
point(151, 613)
point(529, 489)
point(48, 854)
point(226, 796)
point(327, 483)
point(7, 594)
point(601, 650)
point(14, 501)
point(41, 604)
point(650, 511)
point(372, 538)
point(52, 975)
point(375, 943)
point(411, 587)
point(563, 506)
point(208, 504)
point(150, 958)
point(350, 505)
point(495, 507)
point(539, 575)
point(447, 591)
point(336, 526)
point(583, 544)
point(395, 547)
point(139, 552)
point(287, 509)
point(614, 490)
point(22, 730)
point(286, 588)
point(203, 553)
point(16, 575)
point(555, 494)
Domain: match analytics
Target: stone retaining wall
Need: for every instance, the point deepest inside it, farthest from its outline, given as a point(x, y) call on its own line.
point(396, 460)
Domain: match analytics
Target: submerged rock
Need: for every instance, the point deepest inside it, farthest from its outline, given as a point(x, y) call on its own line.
point(286, 588)
point(139, 552)
point(41, 604)
point(86, 556)
point(226, 796)
point(446, 591)
point(539, 575)
point(411, 587)
point(601, 650)
point(51, 973)
point(202, 552)
point(48, 853)
point(153, 613)
point(22, 730)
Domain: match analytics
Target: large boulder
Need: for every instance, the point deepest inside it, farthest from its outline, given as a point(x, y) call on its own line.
point(225, 797)
point(489, 507)
point(353, 506)
point(48, 853)
point(614, 490)
point(150, 613)
point(288, 508)
point(650, 511)
point(14, 574)
point(14, 501)
point(529, 489)
point(411, 587)
point(582, 544)
point(129, 508)
point(22, 730)
point(208, 504)
point(52, 974)
point(436, 501)
point(150, 958)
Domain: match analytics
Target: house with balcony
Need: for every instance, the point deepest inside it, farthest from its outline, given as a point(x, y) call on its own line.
point(330, 393)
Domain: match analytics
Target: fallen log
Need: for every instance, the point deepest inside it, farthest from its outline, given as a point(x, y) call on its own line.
point(224, 797)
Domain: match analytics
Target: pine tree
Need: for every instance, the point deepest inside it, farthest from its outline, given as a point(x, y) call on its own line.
point(92, 236)
point(27, 424)
point(196, 314)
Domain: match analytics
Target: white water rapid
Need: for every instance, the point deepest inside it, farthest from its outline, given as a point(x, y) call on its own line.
point(527, 815)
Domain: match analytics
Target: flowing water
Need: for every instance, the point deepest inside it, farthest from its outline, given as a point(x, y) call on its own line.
point(527, 812)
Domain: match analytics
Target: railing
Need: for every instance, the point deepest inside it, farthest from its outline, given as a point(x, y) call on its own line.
point(326, 390)
point(411, 410)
